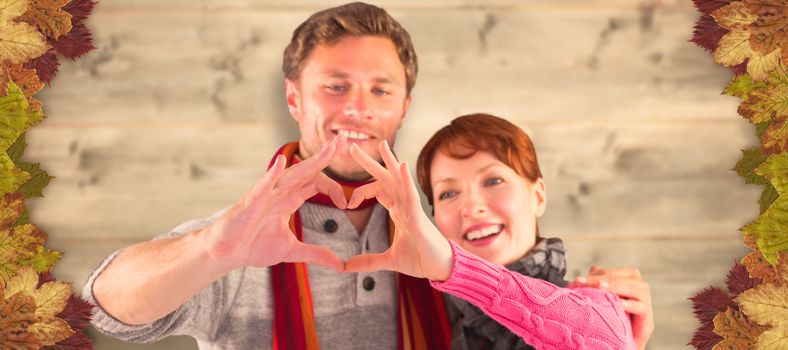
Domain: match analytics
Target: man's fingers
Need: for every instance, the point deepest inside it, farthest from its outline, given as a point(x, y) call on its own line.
point(636, 307)
point(390, 160)
point(629, 288)
point(407, 181)
point(625, 272)
point(268, 179)
point(312, 254)
point(306, 170)
point(370, 165)
point(332, 188)
point(368, 263)
point(367, 191)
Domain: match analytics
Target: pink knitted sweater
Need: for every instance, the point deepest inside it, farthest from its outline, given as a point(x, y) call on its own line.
point(544, 315)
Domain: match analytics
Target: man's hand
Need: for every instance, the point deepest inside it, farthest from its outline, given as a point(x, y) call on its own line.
point(634, 292)
point(256, 230)
point(418, 248)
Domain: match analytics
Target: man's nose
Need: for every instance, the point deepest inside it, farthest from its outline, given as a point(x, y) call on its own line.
point(358, 105)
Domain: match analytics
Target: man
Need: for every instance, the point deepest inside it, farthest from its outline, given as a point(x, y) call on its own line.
point(349, 73)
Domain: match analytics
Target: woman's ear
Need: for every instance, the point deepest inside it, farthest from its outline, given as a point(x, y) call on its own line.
point(540, 196)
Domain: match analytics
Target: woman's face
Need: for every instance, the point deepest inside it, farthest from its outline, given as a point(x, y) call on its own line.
point(485, 206)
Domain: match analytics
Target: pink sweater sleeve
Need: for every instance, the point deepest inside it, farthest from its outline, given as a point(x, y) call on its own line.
point(543, 314)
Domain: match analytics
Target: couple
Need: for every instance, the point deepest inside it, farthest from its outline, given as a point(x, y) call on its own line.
point(238, 279)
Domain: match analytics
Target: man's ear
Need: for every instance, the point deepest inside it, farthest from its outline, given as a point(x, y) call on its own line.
point(293, 96)
point(540, 196)
point(405, 107)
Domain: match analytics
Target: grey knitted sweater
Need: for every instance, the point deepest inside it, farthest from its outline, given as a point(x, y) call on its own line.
point(352, 310)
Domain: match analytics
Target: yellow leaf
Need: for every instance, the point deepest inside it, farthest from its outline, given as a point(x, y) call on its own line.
point(10, 9)
point(773, 339)
point(25, 281)
point(766, 303)
point(51, 298)
point(759, 267)
point(16, 318)
point(19, 42)
point(51, 330)
point(49, 17)
point(26, 79)
point(733, 16)
point(736, 330)
point(734, 48)
point(759, 66)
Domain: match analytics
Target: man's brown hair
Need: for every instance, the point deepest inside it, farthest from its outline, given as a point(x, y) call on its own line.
point(329, 26)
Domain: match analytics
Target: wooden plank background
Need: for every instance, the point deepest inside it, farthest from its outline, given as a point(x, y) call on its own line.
point(176, 113)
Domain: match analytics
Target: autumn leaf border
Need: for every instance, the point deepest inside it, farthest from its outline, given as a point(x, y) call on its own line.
point(752, 312)
point(36, 310)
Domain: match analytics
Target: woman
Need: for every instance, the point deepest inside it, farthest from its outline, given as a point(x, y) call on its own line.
point(481, 175)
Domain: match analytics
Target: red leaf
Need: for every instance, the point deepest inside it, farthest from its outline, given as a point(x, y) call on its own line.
point(78, 341)
point(709, 302)
point(76, 313)
point(707, 33)
point(75, 43)
point(740, 69)
point(46, 66)
point(709, 6)
point(79, 10)
point(44, 278)
point(739, 280)
point(704, 337)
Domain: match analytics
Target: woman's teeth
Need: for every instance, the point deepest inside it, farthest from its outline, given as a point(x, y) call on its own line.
point(484, 232)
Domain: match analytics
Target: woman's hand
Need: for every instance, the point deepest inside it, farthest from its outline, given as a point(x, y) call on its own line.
point(634, 292)
point(418, 248)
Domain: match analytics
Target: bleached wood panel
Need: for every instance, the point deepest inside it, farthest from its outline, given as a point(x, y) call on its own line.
point(646, 179)
point(390, 5)
point(174, 67)
point(176, 113)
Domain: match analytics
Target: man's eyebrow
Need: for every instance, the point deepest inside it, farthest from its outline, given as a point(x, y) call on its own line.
point(385, 79)
point(337, 74)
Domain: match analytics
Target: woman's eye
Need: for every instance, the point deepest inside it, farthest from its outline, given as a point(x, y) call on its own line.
point(493, 181)
point(446, 195)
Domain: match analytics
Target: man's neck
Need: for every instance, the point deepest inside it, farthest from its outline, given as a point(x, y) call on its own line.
point(359, 218)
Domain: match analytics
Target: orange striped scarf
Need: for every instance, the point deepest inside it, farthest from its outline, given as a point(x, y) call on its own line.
point(422, 323)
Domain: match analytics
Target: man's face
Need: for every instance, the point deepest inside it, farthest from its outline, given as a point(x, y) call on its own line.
point(356, 88)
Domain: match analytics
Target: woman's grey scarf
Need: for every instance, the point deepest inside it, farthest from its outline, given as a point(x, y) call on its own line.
point(472, 329)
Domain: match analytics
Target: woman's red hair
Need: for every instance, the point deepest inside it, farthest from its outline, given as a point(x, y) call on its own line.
point(471, 133)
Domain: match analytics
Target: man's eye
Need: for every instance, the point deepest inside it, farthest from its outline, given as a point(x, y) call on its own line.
point(379, 92)
point(446, 195)
point(336, 88)
point(493, 181)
